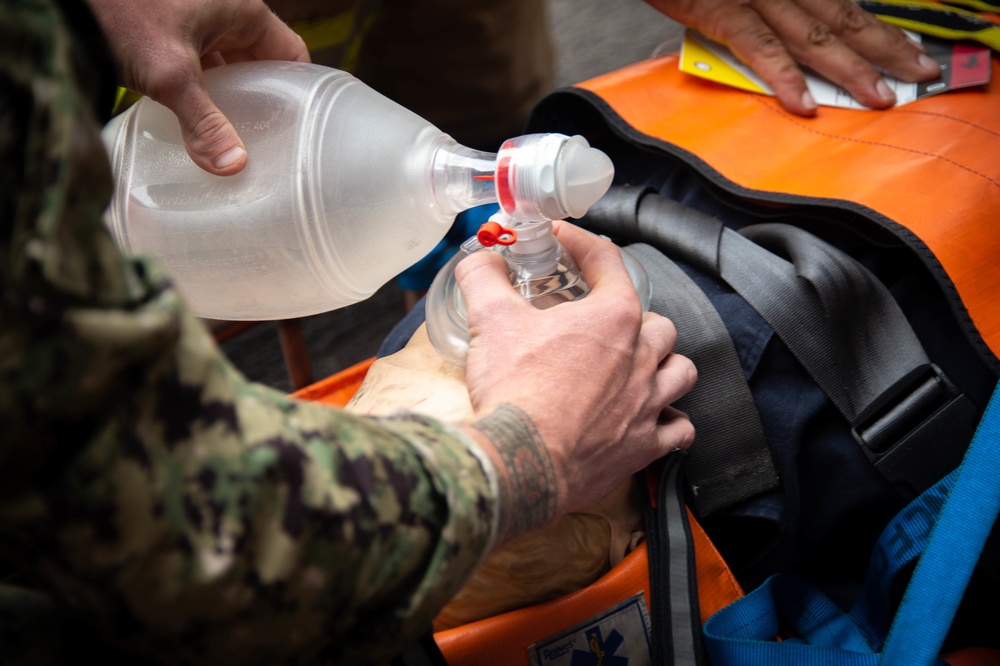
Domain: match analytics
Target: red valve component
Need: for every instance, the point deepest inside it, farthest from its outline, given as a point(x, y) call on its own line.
point(492, 233)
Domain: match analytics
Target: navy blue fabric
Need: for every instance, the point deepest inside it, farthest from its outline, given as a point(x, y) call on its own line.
point(825, 477)
point(403, 330)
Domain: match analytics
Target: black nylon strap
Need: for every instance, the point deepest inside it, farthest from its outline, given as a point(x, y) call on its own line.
point(845, 328)
point(675, 611)
point(838, 320)
point(746, 468)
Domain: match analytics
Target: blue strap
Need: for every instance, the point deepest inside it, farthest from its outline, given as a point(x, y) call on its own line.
point(902, 541)
point(960, 509)
point(939, 581)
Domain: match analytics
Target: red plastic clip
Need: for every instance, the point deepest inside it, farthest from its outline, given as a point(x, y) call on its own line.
point(492, 233)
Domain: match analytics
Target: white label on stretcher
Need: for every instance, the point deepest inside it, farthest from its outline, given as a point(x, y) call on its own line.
point(618, 636)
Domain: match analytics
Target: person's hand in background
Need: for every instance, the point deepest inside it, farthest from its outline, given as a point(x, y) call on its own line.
point(835, 38)
point(162, 48)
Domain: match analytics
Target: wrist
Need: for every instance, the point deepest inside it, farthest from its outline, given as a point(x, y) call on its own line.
point(528, 488)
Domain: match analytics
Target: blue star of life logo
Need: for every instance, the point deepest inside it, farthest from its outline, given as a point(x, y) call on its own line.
point(601, 652)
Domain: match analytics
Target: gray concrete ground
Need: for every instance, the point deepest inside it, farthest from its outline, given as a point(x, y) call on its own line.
point(597, 36)
point(592, 37)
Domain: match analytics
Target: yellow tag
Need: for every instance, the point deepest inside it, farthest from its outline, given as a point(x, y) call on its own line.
point(700, 57)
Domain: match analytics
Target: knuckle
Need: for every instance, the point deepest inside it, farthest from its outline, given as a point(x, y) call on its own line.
point(692, 374)
point(688, 369)
point(896, 40)
point(820, 35)
point(210, 130)
point(767, 44)
point(681, 377)
point(172, 73)
point(853, 19)
point(788, 73)
point(676, 377)
point(893, 42)
point(663, 324)
point(670, 329)
point(685, 433)
point(621, 312)
point(628, 319)
point(663, 338)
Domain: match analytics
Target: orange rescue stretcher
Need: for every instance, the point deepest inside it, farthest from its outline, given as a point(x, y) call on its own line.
point(942, 159)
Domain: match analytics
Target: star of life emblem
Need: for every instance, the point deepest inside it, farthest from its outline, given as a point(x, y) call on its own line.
point(618, 636)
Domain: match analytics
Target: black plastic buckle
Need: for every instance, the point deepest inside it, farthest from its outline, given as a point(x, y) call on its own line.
point(917, 431)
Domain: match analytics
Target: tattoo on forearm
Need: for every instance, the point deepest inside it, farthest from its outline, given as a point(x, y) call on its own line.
point(528, 479)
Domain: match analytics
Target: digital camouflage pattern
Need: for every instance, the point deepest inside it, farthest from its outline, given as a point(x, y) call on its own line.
point(150, 496)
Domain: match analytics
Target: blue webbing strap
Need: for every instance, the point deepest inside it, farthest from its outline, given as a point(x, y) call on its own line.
point(948, 524)
point(939, 581)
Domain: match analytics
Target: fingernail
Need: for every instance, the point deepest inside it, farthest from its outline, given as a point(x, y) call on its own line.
point(928, 63)
point(884, 91)
point(230, 157)
point(808, 101)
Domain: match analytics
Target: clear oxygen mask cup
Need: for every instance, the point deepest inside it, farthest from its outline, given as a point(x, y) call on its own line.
point(539, 178)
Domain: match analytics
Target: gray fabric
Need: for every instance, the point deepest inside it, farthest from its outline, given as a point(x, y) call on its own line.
point(836, 318)
point(745, 469)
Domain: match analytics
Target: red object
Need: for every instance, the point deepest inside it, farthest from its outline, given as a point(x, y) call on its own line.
point(492, 233)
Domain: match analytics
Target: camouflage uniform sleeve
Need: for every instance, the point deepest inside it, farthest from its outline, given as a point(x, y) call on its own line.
point(190, 514)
